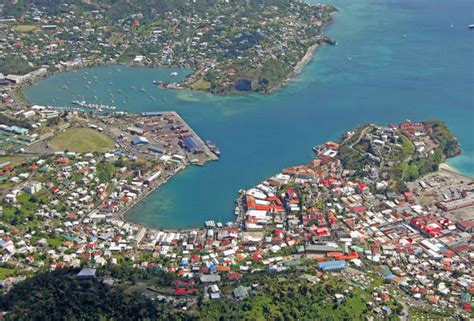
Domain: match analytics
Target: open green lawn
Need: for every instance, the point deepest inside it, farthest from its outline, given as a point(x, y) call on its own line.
point(12, 160)
point(81, 140)
point(201, 85)
point(6, 272)
point(422, 315)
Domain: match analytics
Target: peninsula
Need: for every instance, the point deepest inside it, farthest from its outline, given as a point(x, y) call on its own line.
point(230, 45)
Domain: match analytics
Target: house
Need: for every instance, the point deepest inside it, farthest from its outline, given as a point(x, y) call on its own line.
point(315, 248)
point(210, 278)
point(240, 293)
point(86, 273)
point(138, 59)
point(466, 225)
point(32, 188)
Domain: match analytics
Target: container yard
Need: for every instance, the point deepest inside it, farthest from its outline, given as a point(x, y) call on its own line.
point(161, 135)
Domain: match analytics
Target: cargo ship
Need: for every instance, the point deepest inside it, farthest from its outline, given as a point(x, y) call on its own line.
point(213, 147)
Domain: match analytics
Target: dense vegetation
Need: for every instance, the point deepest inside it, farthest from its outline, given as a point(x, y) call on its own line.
point(448, 146)
point(60, 295)
point(14, 66)
point(448, 143)
point(10, 121)
point(283, 299)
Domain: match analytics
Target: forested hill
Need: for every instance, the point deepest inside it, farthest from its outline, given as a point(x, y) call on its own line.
point(120, 9)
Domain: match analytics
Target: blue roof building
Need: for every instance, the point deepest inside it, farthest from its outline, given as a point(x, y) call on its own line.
point(332, 265)
point(191, 144)
point(139, 140)
point(18, 130)
point(156, 149)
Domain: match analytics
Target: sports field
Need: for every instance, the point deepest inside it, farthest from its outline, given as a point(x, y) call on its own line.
point(81, 140)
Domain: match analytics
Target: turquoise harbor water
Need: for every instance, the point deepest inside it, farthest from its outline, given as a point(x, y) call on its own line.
point(374, 75)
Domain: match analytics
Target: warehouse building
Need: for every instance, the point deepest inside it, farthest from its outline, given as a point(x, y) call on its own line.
point(156, 149)
point(139, 140)
point(336, 265)
point(191, 144)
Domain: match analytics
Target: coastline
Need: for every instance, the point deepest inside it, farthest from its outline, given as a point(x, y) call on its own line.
point(306, 59)
point(184, 85)
point(445, 167)
point(121, 215)
point(155, 187)
point(297, 69)
point(310, 53)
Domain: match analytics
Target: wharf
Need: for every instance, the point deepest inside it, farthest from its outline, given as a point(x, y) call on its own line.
point(210, 155)
point(205, 156)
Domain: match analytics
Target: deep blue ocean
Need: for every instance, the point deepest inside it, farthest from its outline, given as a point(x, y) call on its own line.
point(395, 60)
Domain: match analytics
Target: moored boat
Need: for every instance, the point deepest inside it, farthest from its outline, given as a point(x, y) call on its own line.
point(213, 147)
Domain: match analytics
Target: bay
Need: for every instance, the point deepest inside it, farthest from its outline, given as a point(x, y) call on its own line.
point(395, 60)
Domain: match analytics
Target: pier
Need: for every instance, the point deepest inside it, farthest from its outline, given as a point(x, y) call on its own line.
point(210, 155)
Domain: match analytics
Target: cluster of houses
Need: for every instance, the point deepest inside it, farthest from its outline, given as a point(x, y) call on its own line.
point(70, 208)
point(341, 222)
point(218, 40)
point(14, 138)
point(75, 205)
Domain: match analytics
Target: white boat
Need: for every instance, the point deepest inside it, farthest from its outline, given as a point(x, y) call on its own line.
point(471, 26)
point(174, 73)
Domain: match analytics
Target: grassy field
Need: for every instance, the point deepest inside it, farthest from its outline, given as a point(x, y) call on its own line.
point(24, 28)
point(6, 272)
point(201, 85)
point(422, 315)
point(81, 140)
point(13, 160)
